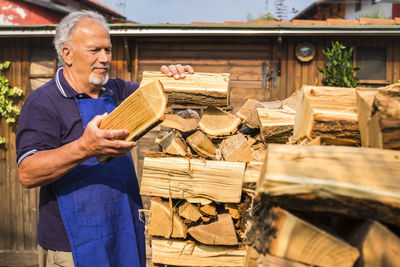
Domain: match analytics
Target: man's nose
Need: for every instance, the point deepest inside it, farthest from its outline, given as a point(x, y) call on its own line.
point(104, 56)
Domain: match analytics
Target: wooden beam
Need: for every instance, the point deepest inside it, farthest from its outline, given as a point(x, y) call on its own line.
point(362, 182)
point(206, 89)
point(182, 178)
point(186, 253)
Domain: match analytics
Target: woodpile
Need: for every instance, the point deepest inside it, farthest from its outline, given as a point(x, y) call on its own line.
point(281, 183)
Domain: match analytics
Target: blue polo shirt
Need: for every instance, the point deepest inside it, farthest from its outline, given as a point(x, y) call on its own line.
point(50, 118)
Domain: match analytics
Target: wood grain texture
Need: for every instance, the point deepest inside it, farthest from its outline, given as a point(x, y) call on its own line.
point(248, 113)
point(181, 178)
point(365, 99)
point(216, 122)
point(236, 148)
point(201, 144)
point(276, 125)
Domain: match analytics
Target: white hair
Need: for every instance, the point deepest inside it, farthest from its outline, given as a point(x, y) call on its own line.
point(67, 26)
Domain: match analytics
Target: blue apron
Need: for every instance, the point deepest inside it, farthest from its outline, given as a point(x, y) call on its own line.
point(99, 205)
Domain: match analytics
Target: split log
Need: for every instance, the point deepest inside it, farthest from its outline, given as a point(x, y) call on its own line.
point(189, 212)
point(182, 178)
point(233, 210)
point(269, 260)
point(164, 222)
point(248, 113)
point(173, 144)
point(186, 253)
point(138, 113)
point(252, 172)
point(329, 112)
point(201, 144)
point(220, 232)
point(290, 104)
point(209, 210)
point(379, 246)
point(175, 121)
point(216, 122)
point(236, 148)
point(280, 233)
point(384, 125)
point(365, 99)
point(360, 182)
point(276, 125)
point(206, 89)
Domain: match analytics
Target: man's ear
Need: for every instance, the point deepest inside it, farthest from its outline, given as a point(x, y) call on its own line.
point(67, 54)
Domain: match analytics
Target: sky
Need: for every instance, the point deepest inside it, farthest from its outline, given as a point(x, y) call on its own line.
point(187, 11)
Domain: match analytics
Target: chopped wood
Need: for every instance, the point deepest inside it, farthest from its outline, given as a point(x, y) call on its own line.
point(173, 143)
point(329, 112)
point(290, 104)
point(233, 210)
point(182, 178)
point(198, 200)
point(138, 113)
point(186, 253)
point(220, 232)
point(175, 121)
point(280, 233)
point(269, 260)
point(276, 125)
point(201, 144)
point(248, 113)
point(207, 89)
point(209, 210)
point(384, 125)
point(379, 246)
point(189, 212)
point(258, 151)
point(189, 114)
point(205, 219)
point(365, 100)
point(253, 171)
point(236, 148)
point(362, 182)
point(216, 122)
point(164, 222)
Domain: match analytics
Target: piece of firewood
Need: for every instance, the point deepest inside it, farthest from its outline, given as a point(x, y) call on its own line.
point(290, 104)
point(379, 246)
point(361, 182)
point(201, 144)
point(365, 99)
point(233, 210)
point(384, 125)
point(209, 210)
point(189, 212)
point(276, 125)
point(329, 112)
point(173, 143)
point(182, 178)
point(175, 121)
point(216, 122)
point(206, 89)
point(164, 222)
point(253, 171)
point(280, 233)
point(248, 113)
point(187, 253)
point(220, 232)
point(236, 148)
point(138, 113)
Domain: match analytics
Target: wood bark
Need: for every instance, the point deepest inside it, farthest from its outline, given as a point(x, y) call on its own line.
point(236, 148)
point(175, 121)
point(220, 232)
point(182, 178)
point(206, 89)
point(361, 182)
point(280, 233)
point(138, 113)
point(164, 222)
point(276, 125)
point(379, 246)
point(173, 144)
point(186, 253)
point(201, 144)
point(329, 112)
point(248, 113)
point(216, 122)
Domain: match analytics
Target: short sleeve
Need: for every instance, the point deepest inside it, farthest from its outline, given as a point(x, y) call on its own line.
point(38, 127)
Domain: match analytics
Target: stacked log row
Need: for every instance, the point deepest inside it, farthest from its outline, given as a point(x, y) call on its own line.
point(198, 205)
point(323, 205)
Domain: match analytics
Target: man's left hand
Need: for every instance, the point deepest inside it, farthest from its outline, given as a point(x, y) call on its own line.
point(176, 71)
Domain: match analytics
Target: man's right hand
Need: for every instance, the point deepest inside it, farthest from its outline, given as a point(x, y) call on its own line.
point(98, 142)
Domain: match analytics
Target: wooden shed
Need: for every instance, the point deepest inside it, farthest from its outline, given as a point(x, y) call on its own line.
point(261, 59)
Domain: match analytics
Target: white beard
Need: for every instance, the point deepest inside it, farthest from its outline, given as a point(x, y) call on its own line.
point(98, 81)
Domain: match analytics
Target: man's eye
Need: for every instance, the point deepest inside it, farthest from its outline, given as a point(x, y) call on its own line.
point(95, 50)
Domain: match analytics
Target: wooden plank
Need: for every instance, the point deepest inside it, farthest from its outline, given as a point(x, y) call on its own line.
point(334, 179)
point(186, 253)
point(181, 178)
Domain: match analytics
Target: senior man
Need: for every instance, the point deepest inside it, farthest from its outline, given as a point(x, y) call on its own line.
point(88, 211)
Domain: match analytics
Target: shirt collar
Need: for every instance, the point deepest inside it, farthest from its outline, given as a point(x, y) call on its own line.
point(67, 91)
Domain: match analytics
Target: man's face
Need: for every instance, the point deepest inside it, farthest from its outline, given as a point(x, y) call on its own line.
point(90, 52)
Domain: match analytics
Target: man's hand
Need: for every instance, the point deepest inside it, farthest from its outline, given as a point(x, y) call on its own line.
point(98, 142)
point(176, 71)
